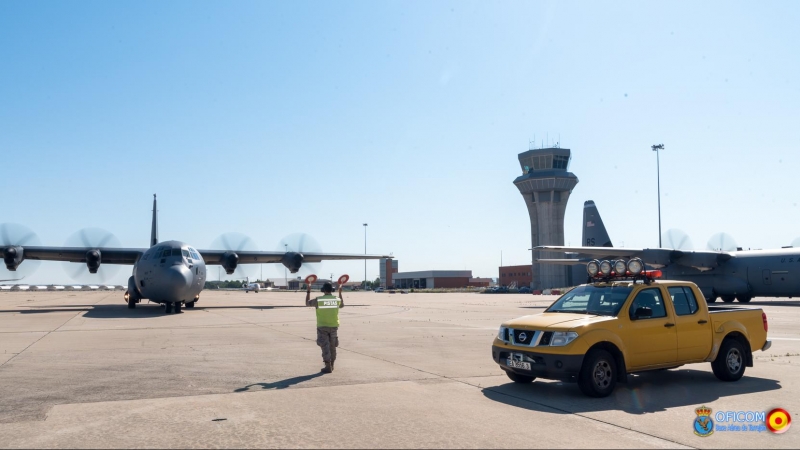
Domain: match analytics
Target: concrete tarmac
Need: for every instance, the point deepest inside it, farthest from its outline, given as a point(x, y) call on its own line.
point(79, 369)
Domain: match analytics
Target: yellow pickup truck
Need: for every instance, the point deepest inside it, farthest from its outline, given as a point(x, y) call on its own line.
point(598, 333)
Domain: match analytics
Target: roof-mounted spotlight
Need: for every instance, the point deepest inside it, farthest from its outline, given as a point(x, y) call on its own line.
point(635, 266)
point(593, 267)
point(620, 267)
point(605, 268)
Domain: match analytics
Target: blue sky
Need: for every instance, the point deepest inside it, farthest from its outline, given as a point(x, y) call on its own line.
point(270, 118)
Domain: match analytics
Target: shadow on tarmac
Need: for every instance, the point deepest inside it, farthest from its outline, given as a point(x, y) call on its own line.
point(142, 311)
point(774, 303)
point(283, 384)
point(644, 393)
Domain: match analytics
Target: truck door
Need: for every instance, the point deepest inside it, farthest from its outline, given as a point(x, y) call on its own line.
point(692, 325)
point(652, 340)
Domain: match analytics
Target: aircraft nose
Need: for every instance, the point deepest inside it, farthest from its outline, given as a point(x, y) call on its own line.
point(179, 280)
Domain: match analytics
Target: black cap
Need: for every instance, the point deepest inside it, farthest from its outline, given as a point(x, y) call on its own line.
point(327, 287)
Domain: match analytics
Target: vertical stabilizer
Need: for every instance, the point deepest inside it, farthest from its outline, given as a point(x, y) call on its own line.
point(154, 228)
point(594, 232)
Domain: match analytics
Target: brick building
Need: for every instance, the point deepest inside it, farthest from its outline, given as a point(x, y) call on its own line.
point(522, 275)
point(430, 279)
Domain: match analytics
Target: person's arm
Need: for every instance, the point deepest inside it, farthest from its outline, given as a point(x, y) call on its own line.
point(341, 302)
point(309, 301)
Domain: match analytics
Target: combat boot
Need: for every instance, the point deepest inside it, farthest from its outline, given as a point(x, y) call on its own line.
point(328, 368)
point(332, 362)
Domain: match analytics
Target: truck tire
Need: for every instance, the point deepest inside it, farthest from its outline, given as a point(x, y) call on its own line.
point(728, 298)
point(730, 362)
point(517, 378)
point(598, 375)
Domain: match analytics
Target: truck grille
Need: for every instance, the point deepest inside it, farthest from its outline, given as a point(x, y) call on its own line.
point(546, 337)
point(523, 337)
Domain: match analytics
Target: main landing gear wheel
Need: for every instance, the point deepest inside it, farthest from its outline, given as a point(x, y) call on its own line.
point(744, 298)
point(190, 305)
point(517, 378)
point(598, 375)
point(177, 307)
point(131, 303)
point(168, 307)
point(730, 362)
point(728, 298)
point(712, 299)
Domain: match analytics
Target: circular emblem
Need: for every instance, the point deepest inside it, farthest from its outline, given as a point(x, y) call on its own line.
point(778, 420)
point(522, 336)
point(703, 425)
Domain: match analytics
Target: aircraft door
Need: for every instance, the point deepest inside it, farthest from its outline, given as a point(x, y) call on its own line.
point(766, 276)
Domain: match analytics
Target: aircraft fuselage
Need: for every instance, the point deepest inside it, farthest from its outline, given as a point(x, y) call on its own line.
point(169, 272)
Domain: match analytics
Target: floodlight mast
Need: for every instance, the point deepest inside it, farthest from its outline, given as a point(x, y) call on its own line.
point(656, 148)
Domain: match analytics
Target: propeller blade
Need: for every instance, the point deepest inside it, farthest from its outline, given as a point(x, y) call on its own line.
point(91, 238)
point(722, 242)
point(677, 240)
point(16, 234)
point(238, 242)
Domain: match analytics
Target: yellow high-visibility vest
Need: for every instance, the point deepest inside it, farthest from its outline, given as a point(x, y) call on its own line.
point(328, 311)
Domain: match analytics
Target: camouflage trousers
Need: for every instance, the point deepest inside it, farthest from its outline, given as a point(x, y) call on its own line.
point(328, 340)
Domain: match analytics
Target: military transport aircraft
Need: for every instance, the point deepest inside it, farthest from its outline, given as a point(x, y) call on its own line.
point(728, 274)
point(171, 272)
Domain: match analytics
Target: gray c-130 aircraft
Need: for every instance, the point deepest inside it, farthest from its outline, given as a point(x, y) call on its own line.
point(171, 272)
point(730, 275)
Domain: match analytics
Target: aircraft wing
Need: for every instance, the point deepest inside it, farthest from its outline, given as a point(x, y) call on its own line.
point(654, 257)
point(78, 254)
point(593, 251)
point(212, 257)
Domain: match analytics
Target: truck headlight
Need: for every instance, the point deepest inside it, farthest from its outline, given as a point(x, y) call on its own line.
point(501, 334)
point(562, 338)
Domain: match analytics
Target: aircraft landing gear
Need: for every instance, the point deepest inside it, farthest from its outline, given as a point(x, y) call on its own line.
point(190, 305)
point(711, 299)
point(177, 307)
point(728, 298)
point(744, 298)
point(168, 307)
point(131, 303)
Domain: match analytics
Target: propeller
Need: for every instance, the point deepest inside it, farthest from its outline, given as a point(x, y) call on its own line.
point(16, 234)
point(676, 240)
point(301, 243)
point(722, 242)
point(91, 238)
point(238, 242)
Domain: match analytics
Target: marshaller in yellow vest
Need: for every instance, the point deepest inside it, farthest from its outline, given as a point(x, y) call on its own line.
point(327, 308)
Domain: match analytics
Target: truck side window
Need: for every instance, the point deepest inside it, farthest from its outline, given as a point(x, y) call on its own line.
point(649, 298)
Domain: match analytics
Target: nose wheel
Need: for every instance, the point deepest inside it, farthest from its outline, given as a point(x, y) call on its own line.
point(168, 307)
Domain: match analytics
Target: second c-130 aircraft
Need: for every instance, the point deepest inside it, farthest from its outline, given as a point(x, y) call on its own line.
point(734, 274)
point(171, 272)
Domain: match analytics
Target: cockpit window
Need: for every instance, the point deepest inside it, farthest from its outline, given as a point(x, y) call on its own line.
point(176, 252)
point(185, 253)
point(166, 253)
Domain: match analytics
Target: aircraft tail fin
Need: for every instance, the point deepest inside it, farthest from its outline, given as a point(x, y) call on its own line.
point(154, 227)
point(594, 232)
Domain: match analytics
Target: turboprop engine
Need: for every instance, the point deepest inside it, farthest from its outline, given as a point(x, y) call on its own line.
point(293, 261)
point(13, 257)
point(230, 260)
point(93, 260)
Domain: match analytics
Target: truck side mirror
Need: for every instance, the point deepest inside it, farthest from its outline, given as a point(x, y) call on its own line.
point(642, 312)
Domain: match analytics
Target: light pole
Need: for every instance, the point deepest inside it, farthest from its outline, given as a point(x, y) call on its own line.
point(285, 275)
point(365, 257)
point(656, 148)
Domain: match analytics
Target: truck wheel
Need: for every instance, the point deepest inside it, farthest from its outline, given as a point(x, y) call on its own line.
point(517, 378)
point(728, 298)
point(744, 298)
point(730, 362)
point(598, 375)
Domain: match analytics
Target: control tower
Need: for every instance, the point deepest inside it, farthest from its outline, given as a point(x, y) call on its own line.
point(545, 186)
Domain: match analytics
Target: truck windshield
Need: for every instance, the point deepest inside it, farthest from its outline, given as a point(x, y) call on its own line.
point(589, 299)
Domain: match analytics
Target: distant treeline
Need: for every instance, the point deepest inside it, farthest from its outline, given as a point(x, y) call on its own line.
point(231, 284)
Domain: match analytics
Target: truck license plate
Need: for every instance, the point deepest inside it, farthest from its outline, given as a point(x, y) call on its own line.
point(518, 364)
